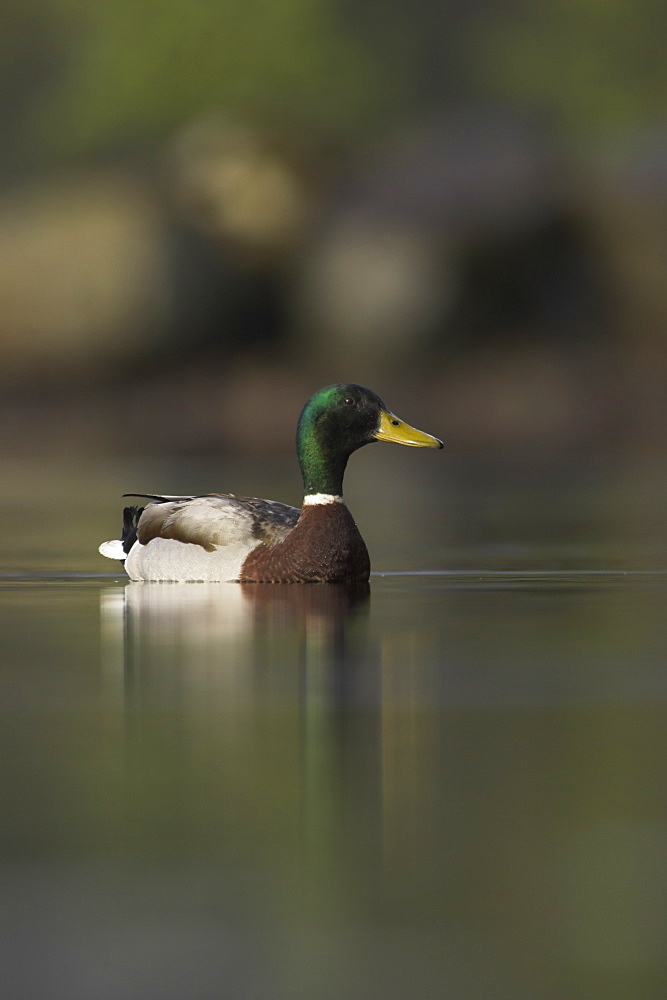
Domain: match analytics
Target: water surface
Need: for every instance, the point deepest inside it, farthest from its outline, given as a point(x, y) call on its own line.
point(450, 783)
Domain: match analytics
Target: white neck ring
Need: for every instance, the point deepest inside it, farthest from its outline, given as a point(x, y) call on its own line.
point(316, 499)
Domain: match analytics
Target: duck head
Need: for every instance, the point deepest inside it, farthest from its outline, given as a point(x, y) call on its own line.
point(335, 422)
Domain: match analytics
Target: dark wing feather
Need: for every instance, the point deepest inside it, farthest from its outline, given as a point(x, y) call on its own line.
point(272, 520)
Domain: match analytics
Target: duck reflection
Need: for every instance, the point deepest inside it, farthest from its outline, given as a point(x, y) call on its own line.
point(255, 693)
point(241, 641)
point(233, 628)
point(327, 622)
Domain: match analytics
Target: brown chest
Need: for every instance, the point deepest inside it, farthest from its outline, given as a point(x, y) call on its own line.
point(324, 547)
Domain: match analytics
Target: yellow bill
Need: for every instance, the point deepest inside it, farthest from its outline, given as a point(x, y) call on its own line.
point(395, 430)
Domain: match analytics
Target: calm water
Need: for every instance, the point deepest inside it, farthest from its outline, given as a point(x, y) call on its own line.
point(451, 784)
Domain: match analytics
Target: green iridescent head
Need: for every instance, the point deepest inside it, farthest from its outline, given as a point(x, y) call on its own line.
point(335, 422)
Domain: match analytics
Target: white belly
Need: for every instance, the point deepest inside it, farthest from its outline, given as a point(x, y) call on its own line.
point(166, 559)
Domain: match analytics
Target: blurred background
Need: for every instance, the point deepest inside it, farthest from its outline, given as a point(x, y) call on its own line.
point(208, 209)
point(454, 787)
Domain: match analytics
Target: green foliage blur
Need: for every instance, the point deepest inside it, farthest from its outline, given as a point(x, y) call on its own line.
point(92, 77)
point(127, 72)
point(597, 68)
point(464, 201)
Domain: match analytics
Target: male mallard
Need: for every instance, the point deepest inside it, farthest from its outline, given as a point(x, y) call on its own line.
point(223, 537)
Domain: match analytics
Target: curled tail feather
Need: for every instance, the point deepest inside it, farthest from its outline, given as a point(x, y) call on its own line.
point(118, 548)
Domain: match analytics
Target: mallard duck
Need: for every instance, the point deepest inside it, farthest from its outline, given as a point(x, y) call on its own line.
point(220, 536)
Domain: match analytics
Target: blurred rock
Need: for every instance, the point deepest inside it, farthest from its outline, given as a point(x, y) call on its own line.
point(240, 187)
point(83, 274)
point(371, 292)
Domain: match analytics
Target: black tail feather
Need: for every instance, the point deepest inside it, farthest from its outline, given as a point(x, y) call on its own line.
point(131, 517)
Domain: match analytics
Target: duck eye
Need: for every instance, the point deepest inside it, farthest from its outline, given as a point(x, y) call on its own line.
point(348, 401)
